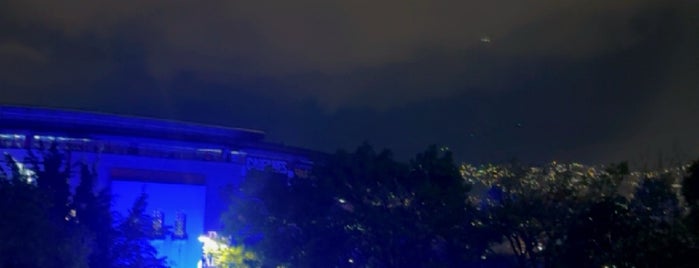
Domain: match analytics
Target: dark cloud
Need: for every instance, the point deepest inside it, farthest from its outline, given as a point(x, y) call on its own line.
point(280, 38)
point(588, 80)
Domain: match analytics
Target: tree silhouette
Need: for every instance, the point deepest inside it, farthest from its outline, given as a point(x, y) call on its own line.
point(359, 209)
point(32, 234)
point(94, 212)
point(132, 247)
point(690, 191)
point(46, 226)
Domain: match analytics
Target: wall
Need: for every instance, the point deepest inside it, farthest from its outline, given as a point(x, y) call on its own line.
point(203, 203)
point(170, 199)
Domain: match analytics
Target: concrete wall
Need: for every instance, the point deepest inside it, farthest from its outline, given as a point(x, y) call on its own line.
point(203, 203)
point(169, 199)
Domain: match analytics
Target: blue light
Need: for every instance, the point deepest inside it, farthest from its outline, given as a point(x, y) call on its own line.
point(96, 122)
point(183, 166)
point(172, 200)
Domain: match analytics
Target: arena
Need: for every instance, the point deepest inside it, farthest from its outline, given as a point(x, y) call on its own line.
point(183, 167)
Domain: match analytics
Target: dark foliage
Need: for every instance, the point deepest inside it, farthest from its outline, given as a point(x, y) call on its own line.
point(28, 236)
point(360, 209)
point(45, 225)
point(365, 209)
point(288, 220)
point(132, 247)
point(94, 212)
point(690, 191)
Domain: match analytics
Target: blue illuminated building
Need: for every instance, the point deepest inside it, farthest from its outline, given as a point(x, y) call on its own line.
point(183, 167)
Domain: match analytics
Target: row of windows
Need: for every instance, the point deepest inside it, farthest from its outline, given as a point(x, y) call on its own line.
point(178, 231)
point(19, 141)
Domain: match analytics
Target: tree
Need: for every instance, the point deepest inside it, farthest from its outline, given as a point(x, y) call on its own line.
point(690, 192)
point(358, 209)
point(132, 247)
point(53, 172)
point(575, 216)
point(46, 226)
point(531, 207)
point(285, 220)
point(371, 206)
point(94, 212)
point(438, 200)
point(31, 234)
point(644, 231)
point(600, 235)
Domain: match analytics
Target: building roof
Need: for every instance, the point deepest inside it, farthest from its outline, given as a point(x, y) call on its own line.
point(84, 123)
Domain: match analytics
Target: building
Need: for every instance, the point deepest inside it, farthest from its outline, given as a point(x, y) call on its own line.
point(181, 166)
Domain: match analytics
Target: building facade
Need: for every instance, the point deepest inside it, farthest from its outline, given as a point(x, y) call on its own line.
point(183, 167)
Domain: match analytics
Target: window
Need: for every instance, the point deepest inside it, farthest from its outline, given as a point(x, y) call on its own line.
point(158, 225)
point(180, 229)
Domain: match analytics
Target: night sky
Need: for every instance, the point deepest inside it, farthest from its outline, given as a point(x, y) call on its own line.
point(587, 81)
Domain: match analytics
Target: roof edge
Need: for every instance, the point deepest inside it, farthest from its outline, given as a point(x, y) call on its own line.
point(106, 123)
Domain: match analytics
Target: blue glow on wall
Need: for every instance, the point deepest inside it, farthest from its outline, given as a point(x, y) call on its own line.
point(171, 200)
point(183, 166)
